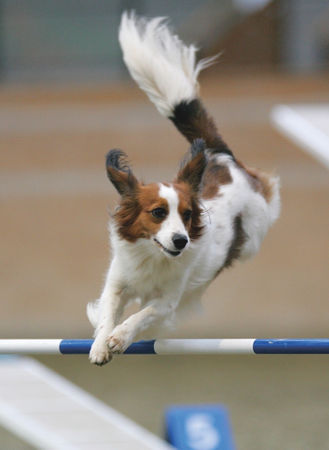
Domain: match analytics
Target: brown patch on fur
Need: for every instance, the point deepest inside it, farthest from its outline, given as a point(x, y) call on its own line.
point(133, 216)
point(187, 185)
point(188, 201)
point(214, 176)
point(239, 238)
point(260, 181)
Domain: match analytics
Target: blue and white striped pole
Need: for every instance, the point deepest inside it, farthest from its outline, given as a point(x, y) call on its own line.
point(172, 346)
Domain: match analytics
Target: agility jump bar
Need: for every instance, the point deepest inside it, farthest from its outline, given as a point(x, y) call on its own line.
point(171, 346)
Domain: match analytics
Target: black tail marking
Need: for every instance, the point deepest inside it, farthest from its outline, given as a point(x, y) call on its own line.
point(192, 120)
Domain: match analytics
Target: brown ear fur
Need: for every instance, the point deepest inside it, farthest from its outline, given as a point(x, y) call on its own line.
point(193, 165)
point(120, 173)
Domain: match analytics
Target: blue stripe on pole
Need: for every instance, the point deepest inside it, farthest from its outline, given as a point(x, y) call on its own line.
point(141, 348)
point(291, 346)
point(82, 346)
point(75, 346)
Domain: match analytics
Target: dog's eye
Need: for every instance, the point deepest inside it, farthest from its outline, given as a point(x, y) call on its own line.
point(187, 215)
point(159, 213)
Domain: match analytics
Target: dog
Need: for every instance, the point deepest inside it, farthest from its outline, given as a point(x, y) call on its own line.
point(171, 240)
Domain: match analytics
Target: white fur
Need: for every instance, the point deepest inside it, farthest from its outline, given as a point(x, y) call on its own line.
point(160, 63)
point(164, 284)
point(173, 224)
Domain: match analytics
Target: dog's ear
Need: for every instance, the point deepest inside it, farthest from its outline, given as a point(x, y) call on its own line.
point(193, 165)
point(120, 173)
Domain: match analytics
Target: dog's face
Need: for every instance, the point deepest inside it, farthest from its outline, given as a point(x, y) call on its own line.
point(166, 214)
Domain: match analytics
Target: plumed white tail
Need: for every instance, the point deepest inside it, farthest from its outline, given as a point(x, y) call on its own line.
point(160, 63)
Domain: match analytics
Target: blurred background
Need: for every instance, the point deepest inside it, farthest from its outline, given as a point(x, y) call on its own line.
point(65, 100)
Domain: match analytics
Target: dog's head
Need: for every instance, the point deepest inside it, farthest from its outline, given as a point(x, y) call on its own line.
point(166, 214)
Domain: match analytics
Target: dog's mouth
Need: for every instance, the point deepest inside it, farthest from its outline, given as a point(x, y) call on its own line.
point(166, 250)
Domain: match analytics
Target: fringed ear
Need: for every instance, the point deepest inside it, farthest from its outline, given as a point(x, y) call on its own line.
point(193, 165)
point(120, 173)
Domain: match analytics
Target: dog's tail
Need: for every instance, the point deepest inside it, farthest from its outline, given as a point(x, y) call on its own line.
point(166, 70)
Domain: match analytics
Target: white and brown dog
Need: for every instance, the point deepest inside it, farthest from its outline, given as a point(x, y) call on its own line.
point(169, 241)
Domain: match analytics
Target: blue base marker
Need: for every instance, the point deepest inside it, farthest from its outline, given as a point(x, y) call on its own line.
point(199, 427)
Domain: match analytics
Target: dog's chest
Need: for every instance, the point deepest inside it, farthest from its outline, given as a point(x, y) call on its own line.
point(149, 277)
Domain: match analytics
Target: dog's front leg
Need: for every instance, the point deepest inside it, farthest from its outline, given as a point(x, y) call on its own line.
point(124, 334)
point(110, 310)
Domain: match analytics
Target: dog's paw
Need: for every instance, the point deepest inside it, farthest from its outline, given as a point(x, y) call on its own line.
point(100, 353)
point(119, 340)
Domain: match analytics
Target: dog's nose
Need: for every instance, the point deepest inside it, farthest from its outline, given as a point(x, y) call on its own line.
point(179, 241)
